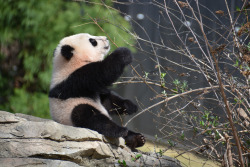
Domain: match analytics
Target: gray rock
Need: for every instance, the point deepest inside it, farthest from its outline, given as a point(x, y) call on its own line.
point(30, 141)
point(31, 162)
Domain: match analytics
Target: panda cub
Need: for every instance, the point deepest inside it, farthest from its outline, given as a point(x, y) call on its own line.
point(78, 93)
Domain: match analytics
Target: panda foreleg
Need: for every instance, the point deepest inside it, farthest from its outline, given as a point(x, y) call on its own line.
point(117, 105)
point(111, 68)
point(96, 76)
point(86, 116)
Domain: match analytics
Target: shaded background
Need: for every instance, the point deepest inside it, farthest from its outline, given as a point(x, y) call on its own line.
point(150, 22)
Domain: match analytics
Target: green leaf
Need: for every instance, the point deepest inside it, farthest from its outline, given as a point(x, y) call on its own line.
point(161, 152)
point(163, 75)
point(156, 137)
point(176, 82)
point(164, 92)
point(146, 75)
point(217, 136)
point(209, 132)
point(202, 123)
point(138, 156)
point(123, 163)
point(171, 143)
point(236, 63)
point(248, 143)
point(176, 90)
point(182, 136)
point(238, 9)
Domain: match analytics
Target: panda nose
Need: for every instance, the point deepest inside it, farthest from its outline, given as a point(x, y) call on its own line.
point(104, 38)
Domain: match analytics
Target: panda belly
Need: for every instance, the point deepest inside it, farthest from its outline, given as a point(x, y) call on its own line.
point(61, 110)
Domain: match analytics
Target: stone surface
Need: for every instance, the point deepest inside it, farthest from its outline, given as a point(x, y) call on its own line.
point(30, 141)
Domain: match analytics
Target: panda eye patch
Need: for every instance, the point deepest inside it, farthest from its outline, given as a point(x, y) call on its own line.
point(93, 41)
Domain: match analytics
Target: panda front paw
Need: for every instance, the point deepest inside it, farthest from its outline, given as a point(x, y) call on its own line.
point(124, 55)
point(129, 107)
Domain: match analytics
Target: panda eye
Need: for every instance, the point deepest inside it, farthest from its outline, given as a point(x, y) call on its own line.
point(93, 41)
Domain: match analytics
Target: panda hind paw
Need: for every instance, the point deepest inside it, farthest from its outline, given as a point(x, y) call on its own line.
point(140, 140)
point(134, 140)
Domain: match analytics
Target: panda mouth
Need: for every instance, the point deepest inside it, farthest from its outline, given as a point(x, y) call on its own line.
point(106, 47)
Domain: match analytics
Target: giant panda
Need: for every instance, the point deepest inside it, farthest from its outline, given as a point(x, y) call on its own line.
point(79, 94)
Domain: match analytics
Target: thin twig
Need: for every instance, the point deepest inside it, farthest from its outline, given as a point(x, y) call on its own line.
point(235, 134)
point(168, 99)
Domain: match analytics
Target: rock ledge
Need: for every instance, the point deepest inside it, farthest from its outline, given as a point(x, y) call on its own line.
point(30, 141)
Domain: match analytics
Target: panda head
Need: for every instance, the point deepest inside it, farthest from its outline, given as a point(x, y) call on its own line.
point(82, 47)
point(76, 51)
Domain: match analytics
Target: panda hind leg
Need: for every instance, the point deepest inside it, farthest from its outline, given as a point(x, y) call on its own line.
point(86, 116)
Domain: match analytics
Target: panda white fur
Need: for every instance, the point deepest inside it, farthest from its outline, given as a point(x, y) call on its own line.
point(78, 92)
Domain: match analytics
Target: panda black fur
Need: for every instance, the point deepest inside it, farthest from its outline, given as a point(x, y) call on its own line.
point(78, 92)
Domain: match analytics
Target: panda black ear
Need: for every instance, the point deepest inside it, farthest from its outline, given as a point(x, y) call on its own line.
point(66, 51)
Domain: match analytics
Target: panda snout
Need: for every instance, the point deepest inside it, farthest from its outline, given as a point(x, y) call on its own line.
point(106, 47)
point(107, 43)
